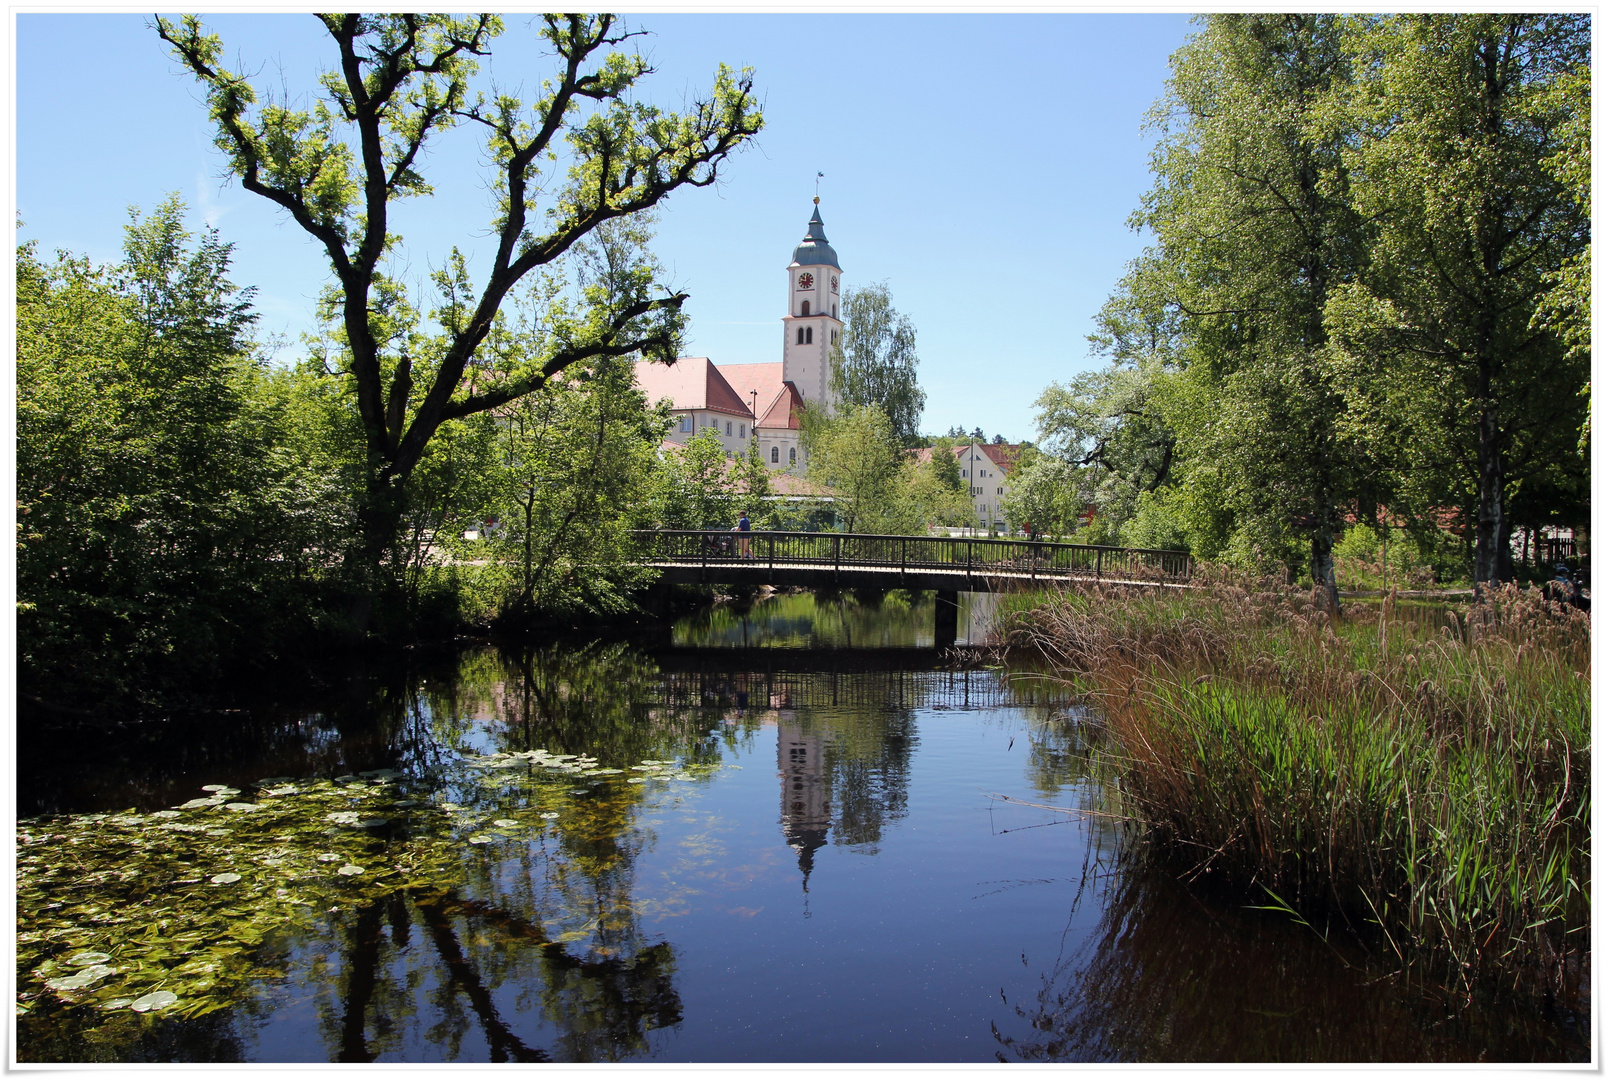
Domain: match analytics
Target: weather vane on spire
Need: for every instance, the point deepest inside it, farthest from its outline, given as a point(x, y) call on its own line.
point(818, 187)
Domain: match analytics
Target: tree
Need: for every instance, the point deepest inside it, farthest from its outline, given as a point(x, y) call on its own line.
point(1566, 309)
point(1047, 494)
point(1456, 131)
point(857, 454)
point(874, 361)
point(697, 489)
point(577, 463)
point(1254, 229)
point(336, 168)
point(165, 524)
point(945, 466)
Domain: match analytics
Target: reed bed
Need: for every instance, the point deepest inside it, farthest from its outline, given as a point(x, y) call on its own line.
point(1423, 780)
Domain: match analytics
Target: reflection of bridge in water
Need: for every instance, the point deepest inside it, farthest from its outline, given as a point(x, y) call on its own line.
point(945, 564)
point(814, 678)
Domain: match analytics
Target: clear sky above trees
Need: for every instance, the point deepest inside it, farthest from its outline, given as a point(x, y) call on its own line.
point(984, 166)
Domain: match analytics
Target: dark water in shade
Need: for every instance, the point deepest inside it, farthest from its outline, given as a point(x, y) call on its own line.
point(842, 888)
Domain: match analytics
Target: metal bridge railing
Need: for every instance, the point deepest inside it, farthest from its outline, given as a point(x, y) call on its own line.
point(977, 557)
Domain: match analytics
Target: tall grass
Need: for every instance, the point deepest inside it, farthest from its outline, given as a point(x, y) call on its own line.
point(1428, 778)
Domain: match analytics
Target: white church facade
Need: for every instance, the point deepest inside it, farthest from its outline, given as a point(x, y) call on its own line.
point(762, 403)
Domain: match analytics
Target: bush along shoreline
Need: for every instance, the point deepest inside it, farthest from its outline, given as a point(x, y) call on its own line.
point(1420, 777)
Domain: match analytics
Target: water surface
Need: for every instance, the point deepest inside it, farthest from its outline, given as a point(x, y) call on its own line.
point(788, 833)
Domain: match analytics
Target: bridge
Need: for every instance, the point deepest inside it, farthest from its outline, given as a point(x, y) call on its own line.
point(945, 564)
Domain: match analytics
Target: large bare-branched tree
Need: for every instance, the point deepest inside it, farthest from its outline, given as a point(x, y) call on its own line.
point(584, 152)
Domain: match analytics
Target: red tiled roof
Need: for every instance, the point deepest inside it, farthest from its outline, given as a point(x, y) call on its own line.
point(777, 403)
point(692, 382)
point(1001, 454)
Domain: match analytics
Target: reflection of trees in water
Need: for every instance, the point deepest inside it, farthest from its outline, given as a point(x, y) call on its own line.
point(436, 970)
point(1172, 976)
point(802, 620)
point(540, 953)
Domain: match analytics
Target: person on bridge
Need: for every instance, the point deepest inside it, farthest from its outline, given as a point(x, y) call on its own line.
point(743, 540)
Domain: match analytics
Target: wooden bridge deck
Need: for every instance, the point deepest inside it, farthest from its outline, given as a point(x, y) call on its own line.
point(857, 560)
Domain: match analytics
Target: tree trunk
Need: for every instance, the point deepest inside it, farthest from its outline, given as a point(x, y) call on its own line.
point(1323, 561)
point(1490, 524)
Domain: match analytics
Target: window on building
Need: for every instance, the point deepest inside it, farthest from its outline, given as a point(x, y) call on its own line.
point(728, 427)
point(999, 491)
point(686, 423)
point(834, 311)
point(776, 454)
point(792, 455)
point(964, 472)
point(805, 309)
point(834, 337)
point(809, 335)
point(801, 335)
point(742, 431)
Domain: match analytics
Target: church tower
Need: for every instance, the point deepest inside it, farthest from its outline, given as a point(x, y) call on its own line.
point(811, 326)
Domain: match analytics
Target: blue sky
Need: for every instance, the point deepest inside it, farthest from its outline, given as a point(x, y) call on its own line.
point(984, 166)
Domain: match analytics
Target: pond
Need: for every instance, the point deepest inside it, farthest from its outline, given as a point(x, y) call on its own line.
point(779, 833)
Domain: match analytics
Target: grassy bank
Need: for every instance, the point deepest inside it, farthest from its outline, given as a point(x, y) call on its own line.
point(1421, 776)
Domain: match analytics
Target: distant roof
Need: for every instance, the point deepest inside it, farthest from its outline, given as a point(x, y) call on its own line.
point(776, 403)
point(692, 382)
point(813, 250)
point(1002, 454)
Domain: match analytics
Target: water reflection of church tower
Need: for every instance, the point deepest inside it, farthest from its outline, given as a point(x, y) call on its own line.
point(806, 794)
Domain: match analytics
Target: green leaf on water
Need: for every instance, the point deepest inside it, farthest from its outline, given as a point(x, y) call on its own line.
point(161, 999)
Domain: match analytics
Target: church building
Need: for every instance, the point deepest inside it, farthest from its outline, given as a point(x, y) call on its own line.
point(762, 402)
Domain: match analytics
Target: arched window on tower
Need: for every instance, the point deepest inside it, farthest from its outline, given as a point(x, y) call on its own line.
point(801, 335)
point(805, 310)
point(809, 335)
point(834, 311)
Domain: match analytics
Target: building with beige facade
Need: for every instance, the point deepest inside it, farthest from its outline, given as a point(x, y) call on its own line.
point(763, 403)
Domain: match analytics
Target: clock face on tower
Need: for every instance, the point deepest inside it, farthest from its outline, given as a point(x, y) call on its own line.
point(834, 283)
point(806, 281)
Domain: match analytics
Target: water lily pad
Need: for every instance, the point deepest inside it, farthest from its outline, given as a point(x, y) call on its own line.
point(216, 787)
point(343, 817)
point(85, 959)
point(117, 1003)
point(480, 838)
point(167, 814)
point(349, 778)
point(505, 823)
point(549, 817)
point(350, 870)
point(81, 980)
point(161, 999)
point(636, 780)
point(241, 807)
point(329, 856)
point(224, 879)
point(196, 804)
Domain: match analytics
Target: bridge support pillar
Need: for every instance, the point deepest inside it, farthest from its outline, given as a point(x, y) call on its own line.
point(946, 618)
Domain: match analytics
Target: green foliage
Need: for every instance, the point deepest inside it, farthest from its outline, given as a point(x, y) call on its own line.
point(697, 489)
point(874, 361)
point(1367, 229)
point(878, 487)
point(575, 467)
point(586, 153)
point(945, 465)
point(1047, 494)
point(1452, 130)
point(166, 525)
